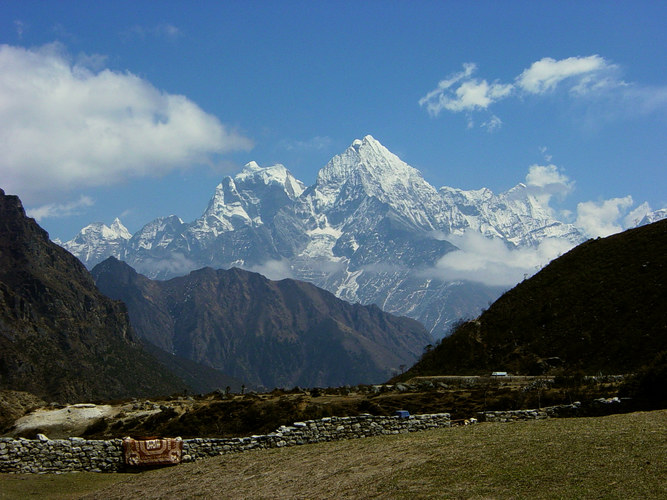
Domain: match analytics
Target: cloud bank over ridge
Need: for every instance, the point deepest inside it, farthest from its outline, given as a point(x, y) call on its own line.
point(493, 262)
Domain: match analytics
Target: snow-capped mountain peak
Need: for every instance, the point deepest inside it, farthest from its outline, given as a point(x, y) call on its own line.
point(373, 158)
point(249, 199)
point(100, 231)
point(251, 166)
point(653, 217)
point(275, 174)
point(226, 210)
point(368, 170)
point(97, 241)
point(117, 228)
point(156, 233)
point(370, 230)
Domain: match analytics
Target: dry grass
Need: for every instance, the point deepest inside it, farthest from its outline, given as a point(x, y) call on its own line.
point(54, 486)
point(620, 456)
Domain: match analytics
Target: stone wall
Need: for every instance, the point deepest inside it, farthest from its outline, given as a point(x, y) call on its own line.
point(60, 455)
point(595, 408)
point(511, 415)
point(76, 454)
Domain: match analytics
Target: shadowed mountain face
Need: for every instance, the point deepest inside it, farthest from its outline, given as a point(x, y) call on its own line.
point(60, 338)
point(602, 307)
point(269, 333)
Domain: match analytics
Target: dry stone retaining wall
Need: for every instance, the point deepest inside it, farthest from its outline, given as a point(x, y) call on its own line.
point(595, 408)
point(76, 454)
point(60, 455)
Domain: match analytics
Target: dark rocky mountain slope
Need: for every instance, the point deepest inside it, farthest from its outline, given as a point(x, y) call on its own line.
point(269, 333)
point(602, 307)
point(60, 338)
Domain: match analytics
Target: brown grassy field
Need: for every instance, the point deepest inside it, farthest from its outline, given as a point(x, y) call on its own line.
point(620, 456)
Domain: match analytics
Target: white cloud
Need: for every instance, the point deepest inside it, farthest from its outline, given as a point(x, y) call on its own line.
point(471, 94)
point(591, 77)
point(547, 175)
point(172, 264)
point(431, 99)
point(492, 262)
point(599, 219)
point(545, 181)
point(65, 126)
point(544, 75)
point(545, 152)
point(492, 124)
point(51, 210)
point(635, 216)
point(93, 62)
point(475, 94)
point(273, 269)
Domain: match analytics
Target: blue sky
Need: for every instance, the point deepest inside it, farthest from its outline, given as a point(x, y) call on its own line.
point(138, 109)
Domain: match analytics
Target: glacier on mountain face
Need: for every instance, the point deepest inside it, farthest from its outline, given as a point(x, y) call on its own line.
point(370, 230)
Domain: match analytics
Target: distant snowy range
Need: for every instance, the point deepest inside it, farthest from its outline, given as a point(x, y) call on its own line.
point(370, 230)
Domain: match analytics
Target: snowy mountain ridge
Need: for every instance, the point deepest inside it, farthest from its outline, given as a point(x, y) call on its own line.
point(370, 230)
point(652, 217)
point(97, 240)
